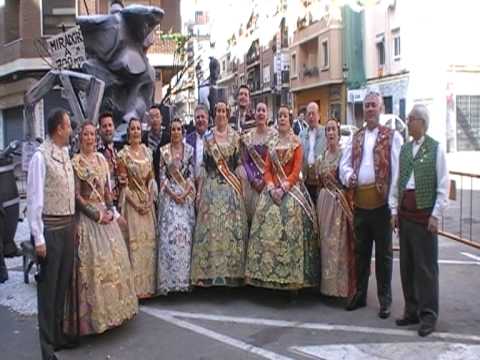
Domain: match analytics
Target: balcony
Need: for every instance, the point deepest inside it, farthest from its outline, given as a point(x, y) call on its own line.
point(309, 72)
point(253, 54)
point(317, 54)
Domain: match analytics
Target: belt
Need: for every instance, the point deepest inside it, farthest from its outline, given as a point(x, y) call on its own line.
point(368, 197)
point(6, 168)
point(11, 202)
point(56, 222)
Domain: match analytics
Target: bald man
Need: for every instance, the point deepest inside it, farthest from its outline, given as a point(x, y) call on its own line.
point(314, 142)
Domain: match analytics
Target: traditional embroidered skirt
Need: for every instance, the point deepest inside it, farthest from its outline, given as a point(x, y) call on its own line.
point(103, 286)
point(282, 249)
point(218, 255)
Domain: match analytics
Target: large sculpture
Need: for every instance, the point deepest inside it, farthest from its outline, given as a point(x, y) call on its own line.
point(116, 47)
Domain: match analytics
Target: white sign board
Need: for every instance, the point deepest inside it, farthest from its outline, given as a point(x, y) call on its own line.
point(67, 49)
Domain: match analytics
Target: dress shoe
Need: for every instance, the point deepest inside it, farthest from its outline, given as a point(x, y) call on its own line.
point(384, 312)
point(407, 320)
point(3, 275)
point(426, 329)
point(356, 303)
point(16, 253)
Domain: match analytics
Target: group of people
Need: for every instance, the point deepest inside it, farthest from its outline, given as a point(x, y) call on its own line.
point(238, 204)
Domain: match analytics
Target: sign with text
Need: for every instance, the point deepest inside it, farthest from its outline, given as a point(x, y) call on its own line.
point(67, 49)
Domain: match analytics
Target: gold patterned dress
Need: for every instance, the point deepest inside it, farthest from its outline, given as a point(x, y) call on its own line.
point(138, 193)
point(218, 255)
point(335, 231)
point(282, 248)
point(103, 291)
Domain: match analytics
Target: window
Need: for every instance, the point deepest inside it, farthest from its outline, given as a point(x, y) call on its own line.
point(402, 112)
point(11, 21)
point(468, 122)
point(396, 46)
point(294, 65)
point(325, 53)
point(388, 104)
point(266, 75)
point(381, 53)
point(57, 14)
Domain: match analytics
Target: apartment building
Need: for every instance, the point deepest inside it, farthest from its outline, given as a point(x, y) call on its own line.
point(316, 62)
point(421, 52)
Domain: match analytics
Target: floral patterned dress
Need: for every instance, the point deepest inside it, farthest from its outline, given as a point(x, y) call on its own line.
point(140, 189)
point(283, 249)
point(218, 255)
point(103, 293)
point(335, 231)
point(175, 222)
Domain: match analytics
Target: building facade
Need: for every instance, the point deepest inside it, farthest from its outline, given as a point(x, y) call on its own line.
point(316, 58)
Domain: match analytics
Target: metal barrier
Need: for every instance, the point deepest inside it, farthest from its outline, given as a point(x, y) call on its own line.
point(461, 223)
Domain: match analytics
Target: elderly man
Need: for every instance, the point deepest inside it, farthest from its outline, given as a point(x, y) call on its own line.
point(51, 206)
point(366, 166)
point(417, 201)
point(195, 139)
point(314, 142)
point(243, 119)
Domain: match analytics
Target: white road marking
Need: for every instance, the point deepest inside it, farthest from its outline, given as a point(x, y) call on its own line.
point(391, 351)
point(448, 262)
point(305, 325)
point(214, 335)
point(471, 256)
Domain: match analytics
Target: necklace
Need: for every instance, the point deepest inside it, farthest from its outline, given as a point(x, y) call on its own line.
point(136, 151)
point(88, 158)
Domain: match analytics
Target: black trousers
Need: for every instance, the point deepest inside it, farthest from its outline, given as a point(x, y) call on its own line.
point(369, 226)
point(313, 192)
point(419, 271)
point(3, 267)
point(53, 281)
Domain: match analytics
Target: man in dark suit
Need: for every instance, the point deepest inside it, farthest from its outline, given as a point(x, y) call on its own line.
point(195, 139)
point(157, 136)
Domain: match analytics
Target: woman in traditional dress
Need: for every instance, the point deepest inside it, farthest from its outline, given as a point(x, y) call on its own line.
point(254, 148)
point(103, 293)
point(282, 249)
point(176, 212)
point(218, 256)
point(335, 223)
point(136, 202)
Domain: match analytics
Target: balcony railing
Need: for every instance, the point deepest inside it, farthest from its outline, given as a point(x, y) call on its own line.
point(310, 71)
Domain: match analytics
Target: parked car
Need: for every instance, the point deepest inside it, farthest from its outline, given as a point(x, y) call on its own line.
point(392, 121)
point(346, 133)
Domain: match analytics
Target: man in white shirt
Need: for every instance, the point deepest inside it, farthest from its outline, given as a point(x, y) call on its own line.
point(314, 142)
point(50, 210)
point(368, 162)
point(417, 200)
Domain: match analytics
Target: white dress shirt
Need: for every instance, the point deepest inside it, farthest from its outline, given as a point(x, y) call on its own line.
point(366, 173)
point(312, 134)
point(199, 154)
point(441, 201)
point(35, 195)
